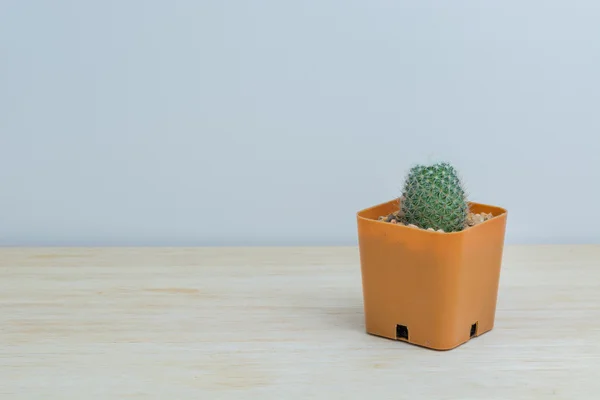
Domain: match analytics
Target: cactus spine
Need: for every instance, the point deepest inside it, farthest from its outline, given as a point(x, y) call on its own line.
point(434, 197)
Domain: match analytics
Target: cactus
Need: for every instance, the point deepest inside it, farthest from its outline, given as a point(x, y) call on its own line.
point(434, 197)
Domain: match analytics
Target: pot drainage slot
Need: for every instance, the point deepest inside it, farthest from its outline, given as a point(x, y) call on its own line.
point(401, 332)
point(474, 329)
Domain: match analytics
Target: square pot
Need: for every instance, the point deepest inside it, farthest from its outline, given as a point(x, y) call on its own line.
point(431, 289)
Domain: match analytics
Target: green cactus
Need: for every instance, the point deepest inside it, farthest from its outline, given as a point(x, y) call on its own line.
point(434, 197)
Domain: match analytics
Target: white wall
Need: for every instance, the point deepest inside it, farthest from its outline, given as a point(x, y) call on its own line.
point(273, 122)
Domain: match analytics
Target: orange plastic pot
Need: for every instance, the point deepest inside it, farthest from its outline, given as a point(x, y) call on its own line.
point(432, 289)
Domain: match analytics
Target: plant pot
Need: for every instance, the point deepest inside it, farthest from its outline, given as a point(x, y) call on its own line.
point(431, 289)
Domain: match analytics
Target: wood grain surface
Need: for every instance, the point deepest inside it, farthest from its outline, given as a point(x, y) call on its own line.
point(278, 323)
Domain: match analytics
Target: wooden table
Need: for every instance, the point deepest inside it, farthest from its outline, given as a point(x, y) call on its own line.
point(278, 323)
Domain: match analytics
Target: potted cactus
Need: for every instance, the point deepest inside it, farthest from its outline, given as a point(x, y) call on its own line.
point(430, 261)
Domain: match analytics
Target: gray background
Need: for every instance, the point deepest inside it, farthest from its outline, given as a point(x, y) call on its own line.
point(273, 122)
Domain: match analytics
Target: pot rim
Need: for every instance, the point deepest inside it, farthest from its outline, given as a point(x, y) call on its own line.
point(360, 215)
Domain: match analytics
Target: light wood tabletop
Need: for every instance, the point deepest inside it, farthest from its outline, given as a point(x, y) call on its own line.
point(278, 323)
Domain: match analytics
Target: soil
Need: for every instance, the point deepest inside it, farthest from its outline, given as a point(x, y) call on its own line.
point(472, 220)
